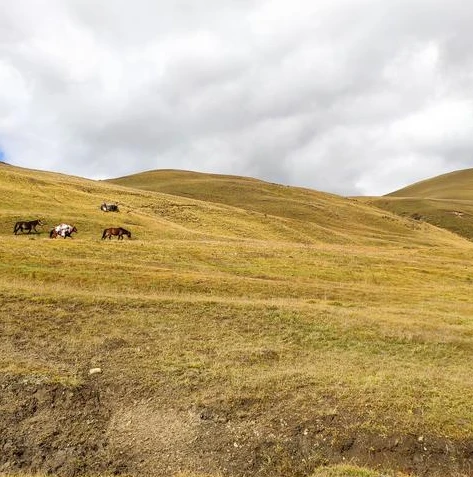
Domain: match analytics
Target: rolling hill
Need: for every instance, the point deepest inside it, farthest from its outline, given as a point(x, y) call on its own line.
point(444, 201)
point(456, 185)
point(332, 213)
point(247, 328)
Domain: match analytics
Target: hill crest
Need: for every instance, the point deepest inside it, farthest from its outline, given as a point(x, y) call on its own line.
point(452, 185)
point(203, 205)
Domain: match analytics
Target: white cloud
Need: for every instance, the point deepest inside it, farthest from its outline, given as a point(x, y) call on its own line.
point(444, 123)
point(348, 96)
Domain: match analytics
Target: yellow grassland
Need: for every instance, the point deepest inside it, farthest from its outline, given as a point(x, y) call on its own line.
point(302, 302)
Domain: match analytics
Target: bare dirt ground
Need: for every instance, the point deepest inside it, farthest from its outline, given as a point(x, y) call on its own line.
point(90, 429)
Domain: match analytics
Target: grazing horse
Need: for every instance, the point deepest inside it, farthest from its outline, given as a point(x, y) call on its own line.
point(62, 230)
point(23, 225)
point(119, 231)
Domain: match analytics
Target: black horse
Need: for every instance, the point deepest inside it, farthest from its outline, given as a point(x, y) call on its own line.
point(24, 225)
point(117, 231)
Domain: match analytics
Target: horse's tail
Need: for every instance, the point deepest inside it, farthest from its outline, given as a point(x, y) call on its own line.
point(52, 233)
point(16, 228)
point(104, 234)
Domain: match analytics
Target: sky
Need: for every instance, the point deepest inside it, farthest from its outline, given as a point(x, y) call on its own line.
point(354, 97)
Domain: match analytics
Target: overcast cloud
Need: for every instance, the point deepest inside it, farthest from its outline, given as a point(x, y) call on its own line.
point(344, 96)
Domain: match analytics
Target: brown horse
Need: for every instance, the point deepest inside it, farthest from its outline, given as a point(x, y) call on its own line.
point(118, 231)
point(23, 225)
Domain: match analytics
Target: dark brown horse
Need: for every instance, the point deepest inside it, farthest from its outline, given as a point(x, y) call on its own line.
point(29, 226)
point(118, 231)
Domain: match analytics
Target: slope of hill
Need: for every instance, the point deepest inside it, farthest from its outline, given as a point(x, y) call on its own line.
point(242, 192)
point(456, 185)
point(444, 201)
point(229, 338)
point(281, 213)
point(335, 218)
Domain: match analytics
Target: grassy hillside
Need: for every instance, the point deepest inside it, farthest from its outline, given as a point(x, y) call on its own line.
point(330, 211)
point(457, 185)
point(453, 215)
point(445, 201)
point(242, 192)
point(229, 339)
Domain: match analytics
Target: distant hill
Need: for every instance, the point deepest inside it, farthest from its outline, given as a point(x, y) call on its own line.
point(444, 201)
point(335, 218)
point(454, 185)
point(242, 192)
point(189, 204)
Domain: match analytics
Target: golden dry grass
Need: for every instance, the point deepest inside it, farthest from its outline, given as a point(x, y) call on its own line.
point(348, 310)
point(455, 185)
point(329, 471)
point(445, 201)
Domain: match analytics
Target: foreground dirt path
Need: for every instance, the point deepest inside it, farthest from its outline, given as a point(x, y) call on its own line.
point(69, 431)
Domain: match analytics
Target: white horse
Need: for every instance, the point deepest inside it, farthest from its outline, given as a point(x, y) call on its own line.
point(64, 230)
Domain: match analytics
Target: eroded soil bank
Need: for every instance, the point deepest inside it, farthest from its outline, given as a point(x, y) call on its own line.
point(88, 429)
